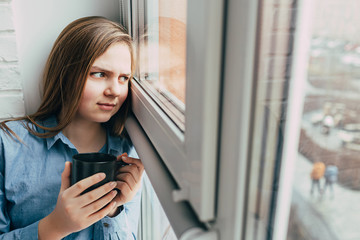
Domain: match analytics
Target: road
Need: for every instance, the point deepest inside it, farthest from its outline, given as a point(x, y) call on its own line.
point(325, 217)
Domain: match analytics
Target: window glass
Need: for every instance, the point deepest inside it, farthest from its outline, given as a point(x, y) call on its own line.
point(162, 56)
point(326, 186)
point(274, 56)
point(326, 178)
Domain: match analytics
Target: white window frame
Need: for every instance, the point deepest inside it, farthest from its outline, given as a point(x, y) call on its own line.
point(294, 116)
point(239, 64)
point(191, 157)
point(171, 155)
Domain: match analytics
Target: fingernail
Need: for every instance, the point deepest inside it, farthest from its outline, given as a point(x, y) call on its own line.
point(113, 184)
point(102, 175)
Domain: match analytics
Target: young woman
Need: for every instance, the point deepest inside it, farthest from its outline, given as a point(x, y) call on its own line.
point(84, 107)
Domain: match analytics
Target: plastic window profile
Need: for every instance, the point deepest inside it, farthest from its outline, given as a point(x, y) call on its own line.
point(181, 217)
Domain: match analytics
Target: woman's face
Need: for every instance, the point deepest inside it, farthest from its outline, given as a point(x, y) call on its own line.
point(106, 87)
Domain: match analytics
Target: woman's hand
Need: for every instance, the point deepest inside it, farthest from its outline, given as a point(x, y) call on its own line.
point(128, 180)
point(74, 212)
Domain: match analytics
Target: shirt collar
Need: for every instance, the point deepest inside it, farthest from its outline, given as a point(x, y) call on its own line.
point(50, 141)
point(112, 142)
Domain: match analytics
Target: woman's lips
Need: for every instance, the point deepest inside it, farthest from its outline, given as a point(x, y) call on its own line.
point(106, 106)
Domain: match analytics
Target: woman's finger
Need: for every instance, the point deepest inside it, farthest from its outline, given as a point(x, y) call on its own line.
point(96, 216)
point(97, 205)
point(120, 156)
point(132, 170)
point(127, 178)
point(133, 161)
point(97, 193)
point(125, 192)
point(82, 185)
point(65, 177)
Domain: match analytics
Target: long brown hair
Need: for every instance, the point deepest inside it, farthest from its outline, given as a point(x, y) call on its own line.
point(66, 71)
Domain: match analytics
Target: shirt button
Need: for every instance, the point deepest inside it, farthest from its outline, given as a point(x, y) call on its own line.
point(106, 225)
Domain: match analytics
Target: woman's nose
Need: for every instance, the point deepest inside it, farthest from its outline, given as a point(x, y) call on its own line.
point(113, 87)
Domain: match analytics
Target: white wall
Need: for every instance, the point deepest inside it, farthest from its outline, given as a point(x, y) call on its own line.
point(37, 25)
point(11, 95)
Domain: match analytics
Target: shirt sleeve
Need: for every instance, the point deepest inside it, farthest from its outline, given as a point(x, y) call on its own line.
point(123, 226)
point(27, 233)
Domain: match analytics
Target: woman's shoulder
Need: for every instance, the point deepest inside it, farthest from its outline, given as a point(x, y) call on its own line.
point(14, 125)
point(9, 128)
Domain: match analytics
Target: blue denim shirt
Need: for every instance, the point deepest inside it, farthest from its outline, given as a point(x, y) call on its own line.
point(30, 179)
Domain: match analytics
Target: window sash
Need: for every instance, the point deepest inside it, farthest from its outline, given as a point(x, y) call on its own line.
point(190, 156)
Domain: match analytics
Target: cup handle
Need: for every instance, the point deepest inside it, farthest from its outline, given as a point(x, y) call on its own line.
point(120, 164)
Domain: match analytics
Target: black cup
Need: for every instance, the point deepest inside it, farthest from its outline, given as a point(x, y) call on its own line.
point(87, 164)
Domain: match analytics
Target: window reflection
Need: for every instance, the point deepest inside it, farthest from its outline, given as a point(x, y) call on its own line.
point(172, 56)
point(162, 56)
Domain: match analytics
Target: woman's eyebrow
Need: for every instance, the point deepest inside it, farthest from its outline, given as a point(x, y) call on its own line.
point(99, 69)
point(96, 68)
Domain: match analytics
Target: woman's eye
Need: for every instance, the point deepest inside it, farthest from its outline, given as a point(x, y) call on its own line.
point(98, 74)
point(123, 78)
